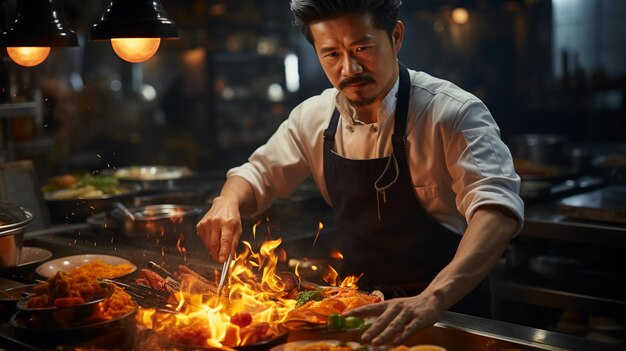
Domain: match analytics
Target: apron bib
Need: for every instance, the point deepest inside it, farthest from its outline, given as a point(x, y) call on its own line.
point(385, 232)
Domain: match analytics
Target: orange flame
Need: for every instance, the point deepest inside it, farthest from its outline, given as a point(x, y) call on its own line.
point(254, 228)
point(320, 226)
point(254, 287)
point(336, 254)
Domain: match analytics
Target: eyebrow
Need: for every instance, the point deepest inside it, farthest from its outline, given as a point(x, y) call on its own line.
point(361, 40)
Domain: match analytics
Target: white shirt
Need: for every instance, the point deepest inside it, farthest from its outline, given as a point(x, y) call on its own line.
point(457, 160)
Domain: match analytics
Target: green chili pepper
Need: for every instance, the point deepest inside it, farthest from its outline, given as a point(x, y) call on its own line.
point(336, 322)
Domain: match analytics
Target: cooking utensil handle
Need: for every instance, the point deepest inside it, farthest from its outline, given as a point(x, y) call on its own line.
point(155, 267)
point(223, 276)
point(124, 209)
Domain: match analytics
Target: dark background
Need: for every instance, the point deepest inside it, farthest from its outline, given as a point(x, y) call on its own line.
point(202, 101)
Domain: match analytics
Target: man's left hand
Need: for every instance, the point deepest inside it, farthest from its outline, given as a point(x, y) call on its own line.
point(397, 319)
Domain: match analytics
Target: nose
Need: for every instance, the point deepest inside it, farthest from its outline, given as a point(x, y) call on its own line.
point(350, 66)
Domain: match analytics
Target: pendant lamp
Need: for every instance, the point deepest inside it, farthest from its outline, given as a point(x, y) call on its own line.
point(37, 27)
point(135, 28)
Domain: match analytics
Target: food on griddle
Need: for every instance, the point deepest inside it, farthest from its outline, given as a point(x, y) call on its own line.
point(308, 295)
point(81, 186)
point(333, 301)
point(193, 282)
point(152, 279)
point(186, 281)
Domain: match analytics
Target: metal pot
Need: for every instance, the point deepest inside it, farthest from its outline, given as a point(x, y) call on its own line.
point(77, 210)
point(165, 224)
point(13, 222)
point(539, 149)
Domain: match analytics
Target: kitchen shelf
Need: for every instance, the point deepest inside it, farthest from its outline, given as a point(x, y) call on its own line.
point(557, 299)
point(20, 109)
point(543, 221)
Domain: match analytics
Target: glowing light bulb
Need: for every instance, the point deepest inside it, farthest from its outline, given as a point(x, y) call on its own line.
point(28, 56)
point(460, 15)
point(135, 49)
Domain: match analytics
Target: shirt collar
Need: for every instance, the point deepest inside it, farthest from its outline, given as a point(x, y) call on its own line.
point(386, 109)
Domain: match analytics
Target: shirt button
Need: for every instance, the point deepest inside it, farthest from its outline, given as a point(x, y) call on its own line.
point(374, 128)
point(351, 129)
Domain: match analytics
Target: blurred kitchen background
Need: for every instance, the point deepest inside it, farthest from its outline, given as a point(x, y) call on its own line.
point(210, 98)
point(553, 73)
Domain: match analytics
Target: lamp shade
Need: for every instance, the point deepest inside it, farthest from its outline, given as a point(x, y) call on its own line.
point(134, 19)
point(38, 24)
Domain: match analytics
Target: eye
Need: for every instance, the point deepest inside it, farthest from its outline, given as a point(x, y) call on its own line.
point(362, 48)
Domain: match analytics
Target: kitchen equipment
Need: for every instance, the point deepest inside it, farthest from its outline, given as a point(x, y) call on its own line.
point(604, 205)
point(10, 297)
point(152, 177)
point(164, 224)
point(145, 296)
point(19, 184)
point(539, 149)
point(169, 277)
point(75, 210)
point(125, 210)
point(66, 315)
point(31, 255)
point(13, 223)
point(47, 329)
point(223, 277)
point(612, 167)
point(553, 266)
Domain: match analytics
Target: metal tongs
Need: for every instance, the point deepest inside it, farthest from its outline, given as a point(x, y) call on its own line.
point(144, 296)
point(223, 276)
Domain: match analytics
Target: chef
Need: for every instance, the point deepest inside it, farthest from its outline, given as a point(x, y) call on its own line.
point(423, 188)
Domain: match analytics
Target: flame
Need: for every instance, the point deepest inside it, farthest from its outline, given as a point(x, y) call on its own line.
point(254, 228)
point(320, 226)
point(254, 287)
point(336, 255)
point(332, 277)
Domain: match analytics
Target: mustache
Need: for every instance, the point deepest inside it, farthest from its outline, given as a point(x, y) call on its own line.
point(362, 78)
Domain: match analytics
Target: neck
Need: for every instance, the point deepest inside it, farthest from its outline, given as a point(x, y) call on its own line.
point(368, 114)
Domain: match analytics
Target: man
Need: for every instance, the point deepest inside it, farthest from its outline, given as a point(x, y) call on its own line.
point(424, 190)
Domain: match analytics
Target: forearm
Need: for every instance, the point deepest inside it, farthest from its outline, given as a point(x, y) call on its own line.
point(482, 245)
point(238, 189)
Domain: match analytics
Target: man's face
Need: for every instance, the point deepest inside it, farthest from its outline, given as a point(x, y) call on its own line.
point(357, 57)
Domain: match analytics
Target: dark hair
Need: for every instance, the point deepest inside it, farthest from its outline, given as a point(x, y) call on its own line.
point(384, 12)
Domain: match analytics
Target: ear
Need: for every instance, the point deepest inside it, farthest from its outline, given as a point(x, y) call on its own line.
point(396, 36)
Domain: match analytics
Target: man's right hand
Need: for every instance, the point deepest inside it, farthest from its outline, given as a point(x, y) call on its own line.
point(220, 228)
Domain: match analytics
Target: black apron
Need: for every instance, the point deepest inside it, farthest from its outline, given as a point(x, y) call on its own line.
point(385, 232)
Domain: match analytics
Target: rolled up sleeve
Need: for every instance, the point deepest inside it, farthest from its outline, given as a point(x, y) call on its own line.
point(483, 171)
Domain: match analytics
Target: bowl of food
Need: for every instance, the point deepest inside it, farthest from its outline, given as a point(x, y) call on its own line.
point(10, 297)
point(154, 177)
point(65, 300)
point(13, 223)
point(74, 197)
